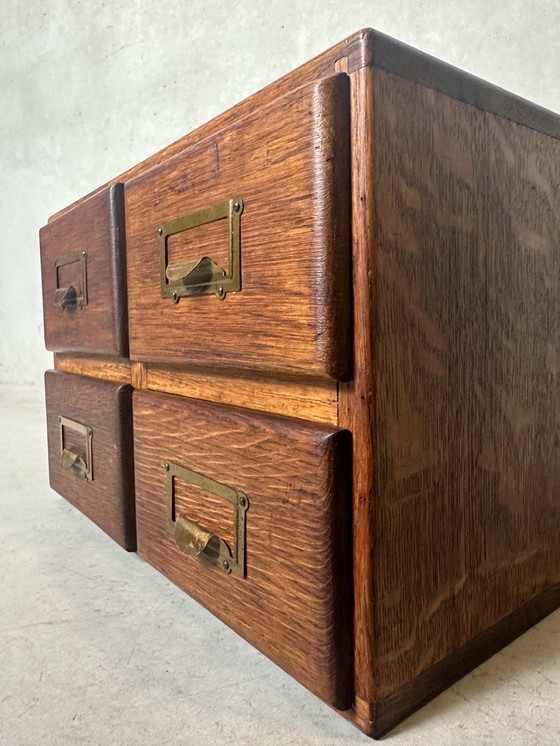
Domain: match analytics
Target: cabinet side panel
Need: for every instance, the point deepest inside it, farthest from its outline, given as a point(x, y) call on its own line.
point(467, 369)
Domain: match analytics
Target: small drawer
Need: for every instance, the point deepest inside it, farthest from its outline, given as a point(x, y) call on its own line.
point(238, 248)
point(84, 277)
point(89, 425)
point(250, 514)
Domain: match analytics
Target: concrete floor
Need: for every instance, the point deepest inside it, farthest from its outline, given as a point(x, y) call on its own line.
point(97, 648)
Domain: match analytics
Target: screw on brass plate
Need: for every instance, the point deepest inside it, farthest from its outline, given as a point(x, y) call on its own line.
point(174, 297)
point(236, 206)
point(242, 501)
point(167, 466)
point(225, 564)
point(83, 253)
point(160, 231)
point(220, 293)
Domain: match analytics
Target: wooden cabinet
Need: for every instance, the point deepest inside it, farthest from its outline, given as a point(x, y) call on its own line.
point(343, 312)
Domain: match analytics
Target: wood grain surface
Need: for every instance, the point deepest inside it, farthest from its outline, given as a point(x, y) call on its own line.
point(311, 400)
point(392, 56)
point(290, 165)
point(97, 227)
point(356, 398)
point(295, 604)
point(467, 392)
point(453, 402)
point(416, 692)
point(109, 369)
point(105, 407)
point(139, 375)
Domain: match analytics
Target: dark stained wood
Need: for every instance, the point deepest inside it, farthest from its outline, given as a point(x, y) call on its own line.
point(106, 408)
point(295, 604)
point(392, 56)
point(418, 691)
point(454, 402)
point(467, 410)
point(290, 165)
point(95, 226)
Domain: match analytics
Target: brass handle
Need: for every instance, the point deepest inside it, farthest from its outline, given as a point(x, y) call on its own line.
point(202, 276)
point(71, 460)
point(66, 297)
point(82, 467)
point(73, 296)
point(194, 271)
point(193, 539)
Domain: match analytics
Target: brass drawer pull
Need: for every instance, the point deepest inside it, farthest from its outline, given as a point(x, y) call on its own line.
point(66, 297)
point(72, 296)
point(193, 539)
point(82, 467)
point(202, 276)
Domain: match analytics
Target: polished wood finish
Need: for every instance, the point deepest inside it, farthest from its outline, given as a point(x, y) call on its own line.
point(295, 602)
point(96, 226)
point(107, 369)
point(357, 398)
point(289, 163)
point(451, 353)
point(314, 401)
point(139, 375)
point(311, 400)
point(106, 408)
point(467, 391)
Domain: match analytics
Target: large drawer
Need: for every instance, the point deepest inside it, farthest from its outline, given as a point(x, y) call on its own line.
point(84, 277)
point(89, 425)
point(250, 514)
point(239, 249)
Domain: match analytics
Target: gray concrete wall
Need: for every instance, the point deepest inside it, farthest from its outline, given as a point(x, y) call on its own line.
point(88, 88)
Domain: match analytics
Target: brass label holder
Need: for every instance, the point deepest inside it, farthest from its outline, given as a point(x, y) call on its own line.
point(72, 296)
point(70, 460)
point(195, 540)
point(202, 276)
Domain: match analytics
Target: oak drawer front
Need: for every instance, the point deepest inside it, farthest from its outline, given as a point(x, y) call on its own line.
point(273, 493)
point(265, 203)
point(84, 277)
point(89, 425)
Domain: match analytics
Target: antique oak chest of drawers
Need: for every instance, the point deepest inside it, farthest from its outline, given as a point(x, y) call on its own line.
point(308, 366)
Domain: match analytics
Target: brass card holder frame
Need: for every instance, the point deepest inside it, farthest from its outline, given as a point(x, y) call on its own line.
point(195, 540)
point(202, 276)
point(83, 468)
point(75, 297)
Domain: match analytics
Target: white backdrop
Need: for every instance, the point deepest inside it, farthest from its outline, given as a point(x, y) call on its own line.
point(88, 89)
